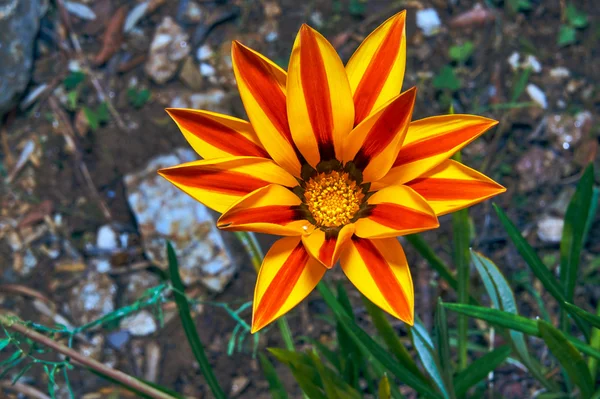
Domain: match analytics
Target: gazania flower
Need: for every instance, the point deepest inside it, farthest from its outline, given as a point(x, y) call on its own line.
point(331, 160)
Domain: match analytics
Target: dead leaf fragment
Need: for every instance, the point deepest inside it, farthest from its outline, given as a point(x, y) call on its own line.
point(113, 37)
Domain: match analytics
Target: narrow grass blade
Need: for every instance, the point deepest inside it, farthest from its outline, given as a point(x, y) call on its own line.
point(363, 339)
point(511, 321)
point(594, 343)
point(587, 316)
point(443, 346)
point(520, 84)
point(479, 369)
point(503, 298)
point(188, 325)
point(275, 386)
point(554, 287)
point(384, 391)
point(569, 357)
point(424, 346)
point(386, 331)
point(572, 237)
point(434, 261)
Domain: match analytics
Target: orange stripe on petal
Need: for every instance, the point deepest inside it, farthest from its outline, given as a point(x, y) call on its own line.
point(219, 183)
point(288, 274)
point(395, 211)
point(214, 136)
point(262, 88)
point(452, 186)
point(272, 210)
point(374, 144)
point(431, 141)
point(319, 101)
point(326, 248)
point(383, 57)
point(379, 270)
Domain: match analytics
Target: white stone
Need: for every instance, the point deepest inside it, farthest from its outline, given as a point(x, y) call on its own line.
point(139, 324)
point(204, 53)
point(550, 229)
point(107, 238)
point(169, 46)
point(560, 73)
point(164, 212)
point(428, 21)
point(537, 95)
point(207, 70)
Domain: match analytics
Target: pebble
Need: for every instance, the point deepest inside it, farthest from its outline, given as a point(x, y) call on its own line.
point(169, 47)
point(537, 166)
point(204, 52)
point(107, 238)
point(207, 70)
point(537, 95)
point(164, 212)
point(238, 385)
point(560, 73)
point(566, 131)
point(211, 100)
point(92, 298)
point(118, 339)
point(550, 229)
point(139, 324)
point(428, 21)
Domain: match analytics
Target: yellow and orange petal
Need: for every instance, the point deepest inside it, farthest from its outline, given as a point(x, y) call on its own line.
point(452, 186)
point(214, 135)
point(319, 102)
point(396, 211)
point(219, 183)
point(288, 274)
point(374, 144)
point(431, 141)
point(273, 209)
point(326, 248)
point(376, 69)
point(378, 269)
point(262, 87)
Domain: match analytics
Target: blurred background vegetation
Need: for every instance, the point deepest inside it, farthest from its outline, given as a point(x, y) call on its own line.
point(506, 295)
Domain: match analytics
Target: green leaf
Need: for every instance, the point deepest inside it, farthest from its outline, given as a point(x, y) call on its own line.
point(479, 369)
point(462, 52)
point(538, 268)
point(520, 84)
point(357, 8)
point(188, 324)
point(4, 343)
point(384, 391)
point(594, 343)
point(569, 357)
point(443, 346)
point(503, 298)
point(520, 5)
point(587, 316)
point(577, 19)
point(361, 338)
point(511, 321)
point(386, 331)
point(573, 232)
point(566, 35)
point(72, 98)
point(92, 118)
point(592, 213)
point(446, 79)
point(73, 79)
point(102, 112)
point(424, 346)
point(275, 386)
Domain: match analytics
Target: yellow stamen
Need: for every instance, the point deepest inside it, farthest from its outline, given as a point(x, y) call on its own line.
point(333, 198)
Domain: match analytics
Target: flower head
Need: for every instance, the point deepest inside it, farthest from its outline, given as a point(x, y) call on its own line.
point(332, 161)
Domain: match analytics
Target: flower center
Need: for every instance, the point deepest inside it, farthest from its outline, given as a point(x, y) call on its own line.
point(333, 198)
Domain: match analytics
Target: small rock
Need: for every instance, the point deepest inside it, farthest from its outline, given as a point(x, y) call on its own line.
point(537, 95)
point(514, 61)
point(560, 73)
point(212, 100)
point(139, 324)
point(204, 53)
point(272, 9)
point(529, 62)
point(238, 385)
point(566, 131)
point(428, 21)
point(92, 298)
point(316, 18)
point(207, 70)
point(190, 74)
point(107, 238)
point(19, 22)
point(137, 285)
point(118, 339)
point(536, 167)
point(550, 229)
point(193, 12)
point(164, 212)
point(169, 47)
